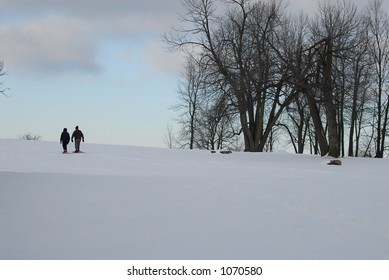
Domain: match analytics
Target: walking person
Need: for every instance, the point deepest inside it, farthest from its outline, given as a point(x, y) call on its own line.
point(64, 140)
point(77, 136)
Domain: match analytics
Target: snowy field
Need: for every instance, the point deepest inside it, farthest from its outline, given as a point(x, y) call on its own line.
point(118, 202)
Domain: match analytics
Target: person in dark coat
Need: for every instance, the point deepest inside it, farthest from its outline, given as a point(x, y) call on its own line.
point(65, 139)
point(77, 136)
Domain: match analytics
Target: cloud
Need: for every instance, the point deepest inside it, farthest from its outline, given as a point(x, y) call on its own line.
point(56, 36)
point(65, 36)
point(49, 45)
point(164, 60)
point(88, 8)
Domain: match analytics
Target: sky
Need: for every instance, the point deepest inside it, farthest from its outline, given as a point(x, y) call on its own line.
point(98, 64)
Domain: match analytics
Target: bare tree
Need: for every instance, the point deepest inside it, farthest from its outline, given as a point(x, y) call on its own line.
point(217, 123)
point(379, 49)
point(189, 95)
point(239, 49)
point(29, 136)
point(336, 29)
point(258, 68)
point(169, 138)
point(297, 123)
point(2, 73)
point(206, 119)
point(361, 74)
point(296, 118)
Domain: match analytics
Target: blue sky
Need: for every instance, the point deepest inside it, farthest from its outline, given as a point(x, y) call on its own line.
point(99, 64)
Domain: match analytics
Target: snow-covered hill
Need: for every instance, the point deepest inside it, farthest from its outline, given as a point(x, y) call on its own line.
point(119, 202)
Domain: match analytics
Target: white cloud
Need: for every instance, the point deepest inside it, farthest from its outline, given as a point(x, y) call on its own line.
point(88, 8)
point(167, 61)
point(311, 6)
point(56, 36)
point(47, 45)
point(61, 36)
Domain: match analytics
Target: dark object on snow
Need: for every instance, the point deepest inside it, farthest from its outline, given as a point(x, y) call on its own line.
point(335, 162)
point(222, 152)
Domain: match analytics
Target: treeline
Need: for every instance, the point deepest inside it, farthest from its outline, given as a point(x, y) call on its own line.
point(257, 73)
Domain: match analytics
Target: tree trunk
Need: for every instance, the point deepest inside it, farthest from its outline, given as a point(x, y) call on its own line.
point(317, 124)
point(333, 135)
point(384, 127)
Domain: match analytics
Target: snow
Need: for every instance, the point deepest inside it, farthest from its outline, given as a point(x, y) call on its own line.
point(122, 202)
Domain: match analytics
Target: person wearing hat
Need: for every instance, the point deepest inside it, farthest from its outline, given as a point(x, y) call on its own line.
point(64, 140)
point(77, 136)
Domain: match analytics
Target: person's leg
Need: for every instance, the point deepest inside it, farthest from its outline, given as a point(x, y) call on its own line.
point(78, 142)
